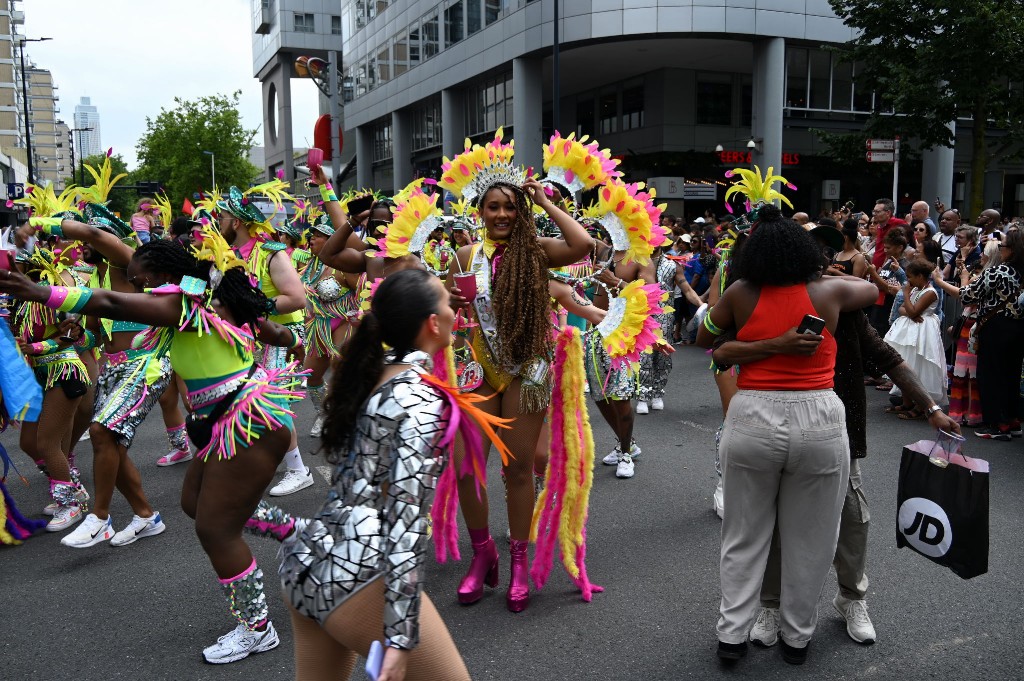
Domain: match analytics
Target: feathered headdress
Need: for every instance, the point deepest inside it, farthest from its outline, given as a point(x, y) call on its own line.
point(576, 165)
point(240, 204)
point(44, 203)
point(103, 182)
point(211, 247)
point(413, 222)
point(406, 192)
point(355, 201)
point(208, 201)
point(163, 206)
point(631, 327)
point(48, 264)
point(470, 174)
point(631, 218)
point(757, 190)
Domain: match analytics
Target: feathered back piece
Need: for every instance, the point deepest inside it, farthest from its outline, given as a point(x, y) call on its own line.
point(413, 222)
point(163, 205)
point(403, 196)
point(103, 181)
point(576, 165)
point(44, 203)
point(631, 218)
point(212, 248)
point(273, 190)
point(208, 201)
point(470, 174)
point(758, 191)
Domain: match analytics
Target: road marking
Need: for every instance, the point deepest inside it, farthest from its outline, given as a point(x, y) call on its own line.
point(699, 426)
point(325, 471)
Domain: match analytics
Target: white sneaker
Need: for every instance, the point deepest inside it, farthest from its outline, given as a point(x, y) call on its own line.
point(318, 427)
point(51, 508)
point(658, 404)
point(64, 517)
point(139, 528)
point(625, 467)
point(641, 408)
point(718, 499)
point(858, 624)
point(292, 482)
point(765, 631)
point(174, 456)
point(85, 436)
point(89, 533)
point(612, 459)
point(240, 643)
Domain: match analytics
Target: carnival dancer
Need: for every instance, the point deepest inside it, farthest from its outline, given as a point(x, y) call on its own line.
point(131, 382)
point(656, 367)
point(330, 299)
point(204, 312)
point(58, 368)
point(389, 430)
point(241, 222)
point(513, 341)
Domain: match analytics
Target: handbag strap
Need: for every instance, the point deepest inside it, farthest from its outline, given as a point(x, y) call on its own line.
point(225, 402)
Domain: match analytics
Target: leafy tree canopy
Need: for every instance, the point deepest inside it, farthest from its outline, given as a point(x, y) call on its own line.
point(171, 150)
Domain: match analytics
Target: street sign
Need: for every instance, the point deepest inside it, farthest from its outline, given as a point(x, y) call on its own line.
point(881, 145)
point(15, 190)
point(881, 156)
point(694, 191)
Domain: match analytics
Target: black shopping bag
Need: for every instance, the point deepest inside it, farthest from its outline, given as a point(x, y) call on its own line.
point(942, 506)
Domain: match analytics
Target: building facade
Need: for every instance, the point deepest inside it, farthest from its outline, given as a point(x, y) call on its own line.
point(50, 159)
point(663, 83)
point(87, 142)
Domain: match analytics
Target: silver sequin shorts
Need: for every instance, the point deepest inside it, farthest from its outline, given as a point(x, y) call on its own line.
point(123, 399)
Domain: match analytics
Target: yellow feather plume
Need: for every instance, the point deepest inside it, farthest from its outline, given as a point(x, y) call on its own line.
point(755, 188)
point(102, 182)
point(214, 249)
point(163, 204)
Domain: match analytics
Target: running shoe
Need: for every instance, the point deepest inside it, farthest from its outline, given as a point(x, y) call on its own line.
point(641, 408)
point(318, 426)
point(90, 533)
point(139, 528)
point(765, 631)
point(625, 467)
point(175, 456)
point(292, 482)
point(858, 624)
point(658, 404)
point(64, 517)
point(987, 433)
point(612, 459)
point(51, 508)
point(240, 643)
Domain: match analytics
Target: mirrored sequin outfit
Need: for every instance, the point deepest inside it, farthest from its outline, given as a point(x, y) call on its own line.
point(363, 533)
point(655, 367)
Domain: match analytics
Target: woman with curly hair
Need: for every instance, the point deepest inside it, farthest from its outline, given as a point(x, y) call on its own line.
point(243, 407)
point(784, 449)
point(513, 344)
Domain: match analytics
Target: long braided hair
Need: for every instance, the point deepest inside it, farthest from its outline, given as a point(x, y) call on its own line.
point(246, 303)
point(520, 299)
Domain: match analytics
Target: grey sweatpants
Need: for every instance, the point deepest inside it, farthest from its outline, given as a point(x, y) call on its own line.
point(786, 460)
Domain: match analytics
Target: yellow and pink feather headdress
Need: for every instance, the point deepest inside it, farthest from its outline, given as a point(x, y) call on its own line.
point(576, 165)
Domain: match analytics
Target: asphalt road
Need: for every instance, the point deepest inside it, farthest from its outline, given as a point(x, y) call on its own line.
point(145, 611)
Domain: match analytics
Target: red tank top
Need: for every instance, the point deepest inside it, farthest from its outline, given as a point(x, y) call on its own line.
point(780, 308)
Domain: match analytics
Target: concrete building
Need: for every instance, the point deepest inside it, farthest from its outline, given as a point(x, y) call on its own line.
point(662, 83)
point(283, 30)
point(49, 152)
point(87, 142)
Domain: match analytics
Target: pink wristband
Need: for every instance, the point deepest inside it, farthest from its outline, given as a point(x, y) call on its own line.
point(58, 294)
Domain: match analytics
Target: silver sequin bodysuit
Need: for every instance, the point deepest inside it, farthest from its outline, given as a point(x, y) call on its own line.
point(362, 533)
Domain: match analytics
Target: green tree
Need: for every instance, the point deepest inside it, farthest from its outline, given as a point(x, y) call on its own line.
point(121, 201)
point(934, 62)
point(171, 150)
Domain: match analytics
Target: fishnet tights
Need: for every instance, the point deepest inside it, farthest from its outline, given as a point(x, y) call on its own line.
point(329, 653)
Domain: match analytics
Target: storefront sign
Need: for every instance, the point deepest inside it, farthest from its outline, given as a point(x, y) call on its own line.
point(746, 158)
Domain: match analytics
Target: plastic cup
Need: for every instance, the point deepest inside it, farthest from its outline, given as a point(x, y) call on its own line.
point(466, 283)
point(314, 158)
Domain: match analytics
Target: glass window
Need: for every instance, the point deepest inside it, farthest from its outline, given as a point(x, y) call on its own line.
point(796, 78)
point(371, 72)
point(861, 94)
point(414, 45)
point(821, 79)
point(453, 26)
point(747, 102)
point(335, 24)
point(360, 14)
point(384, 65)
point(473, 17)
point(842, 85)
point(714, 100)
point(608, 107)
point(492, 11)
point(430, 35)
point(633, 107)
point(426, 125)
point(584, 115)
point(400, 53)
point(348, 84)
point(346, 24)
point(382, 139)
point(304, 23)
point(361, 78)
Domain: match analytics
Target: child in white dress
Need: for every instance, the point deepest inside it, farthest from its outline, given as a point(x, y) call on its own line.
point(917, 337)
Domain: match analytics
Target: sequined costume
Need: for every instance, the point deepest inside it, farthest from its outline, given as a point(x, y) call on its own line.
point(363, 533)
point(328, 304)
point(605, 381)
point(257, 256)
point(214, 357)
point(127, 389)
point(656, 367)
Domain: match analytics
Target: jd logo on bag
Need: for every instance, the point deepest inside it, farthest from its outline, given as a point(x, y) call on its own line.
point(943, 506)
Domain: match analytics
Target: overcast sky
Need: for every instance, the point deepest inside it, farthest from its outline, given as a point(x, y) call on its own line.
point(134, 57)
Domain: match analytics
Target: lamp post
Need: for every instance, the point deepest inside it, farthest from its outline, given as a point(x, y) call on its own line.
point(71, 134)
point(213, 168)
point(24, 102)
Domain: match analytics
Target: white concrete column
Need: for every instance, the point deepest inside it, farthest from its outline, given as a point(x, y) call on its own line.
point(401, 147)
point(527, 110)
point(364, 156)
point(769, 96)
point(937, 176)
point(453, 121)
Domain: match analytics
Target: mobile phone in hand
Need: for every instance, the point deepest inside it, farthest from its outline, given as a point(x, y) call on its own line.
point(374, 660)
point(811, 324)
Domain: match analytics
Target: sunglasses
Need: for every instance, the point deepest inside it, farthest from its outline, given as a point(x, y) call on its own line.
point(920, 229)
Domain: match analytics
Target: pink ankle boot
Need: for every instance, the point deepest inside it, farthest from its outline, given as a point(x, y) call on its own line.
point(483, 569)
point(518, 596)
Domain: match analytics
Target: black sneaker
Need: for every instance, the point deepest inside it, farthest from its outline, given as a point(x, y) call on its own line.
point(1015, 429)
point(730, 652)
point(793, 655)
point(987, 433)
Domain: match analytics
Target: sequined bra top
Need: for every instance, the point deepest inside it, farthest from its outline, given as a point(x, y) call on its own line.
point(363, 532)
